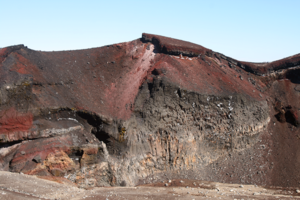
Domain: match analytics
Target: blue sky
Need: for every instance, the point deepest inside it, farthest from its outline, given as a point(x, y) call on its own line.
point(253, 30)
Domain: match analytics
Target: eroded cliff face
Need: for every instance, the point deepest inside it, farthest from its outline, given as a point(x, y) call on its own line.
point(147, 110)
point(173, 129)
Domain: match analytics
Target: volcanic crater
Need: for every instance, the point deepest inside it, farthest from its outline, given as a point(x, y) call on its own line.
point(139, 112)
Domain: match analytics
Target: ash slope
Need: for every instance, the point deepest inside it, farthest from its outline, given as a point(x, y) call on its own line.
point(141, 111)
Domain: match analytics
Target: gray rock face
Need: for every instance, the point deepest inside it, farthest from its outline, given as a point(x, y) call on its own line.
point(173, 129)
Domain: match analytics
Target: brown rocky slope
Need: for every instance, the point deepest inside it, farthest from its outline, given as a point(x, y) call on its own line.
point(146, 110)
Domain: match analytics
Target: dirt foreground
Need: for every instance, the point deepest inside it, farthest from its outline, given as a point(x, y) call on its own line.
point(16, 186)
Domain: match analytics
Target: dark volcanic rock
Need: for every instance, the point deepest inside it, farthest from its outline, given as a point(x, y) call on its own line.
point(148, 110)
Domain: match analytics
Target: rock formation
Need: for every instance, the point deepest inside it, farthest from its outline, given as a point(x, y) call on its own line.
point(140, 111)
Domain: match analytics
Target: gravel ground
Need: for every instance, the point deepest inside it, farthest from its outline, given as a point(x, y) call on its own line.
point(15, 186)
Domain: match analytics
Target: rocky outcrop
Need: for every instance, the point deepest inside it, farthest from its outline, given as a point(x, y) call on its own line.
point(141, 111)
point(176, 47)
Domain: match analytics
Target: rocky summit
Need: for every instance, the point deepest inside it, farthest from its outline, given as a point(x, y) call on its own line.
point(148, 110)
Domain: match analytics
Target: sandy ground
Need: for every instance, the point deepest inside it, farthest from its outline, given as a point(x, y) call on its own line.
point(15, 186)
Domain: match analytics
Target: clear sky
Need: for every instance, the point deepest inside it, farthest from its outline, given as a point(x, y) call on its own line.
point(248, 30)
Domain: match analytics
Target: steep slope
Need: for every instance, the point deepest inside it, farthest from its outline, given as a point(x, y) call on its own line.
point(139, 111)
